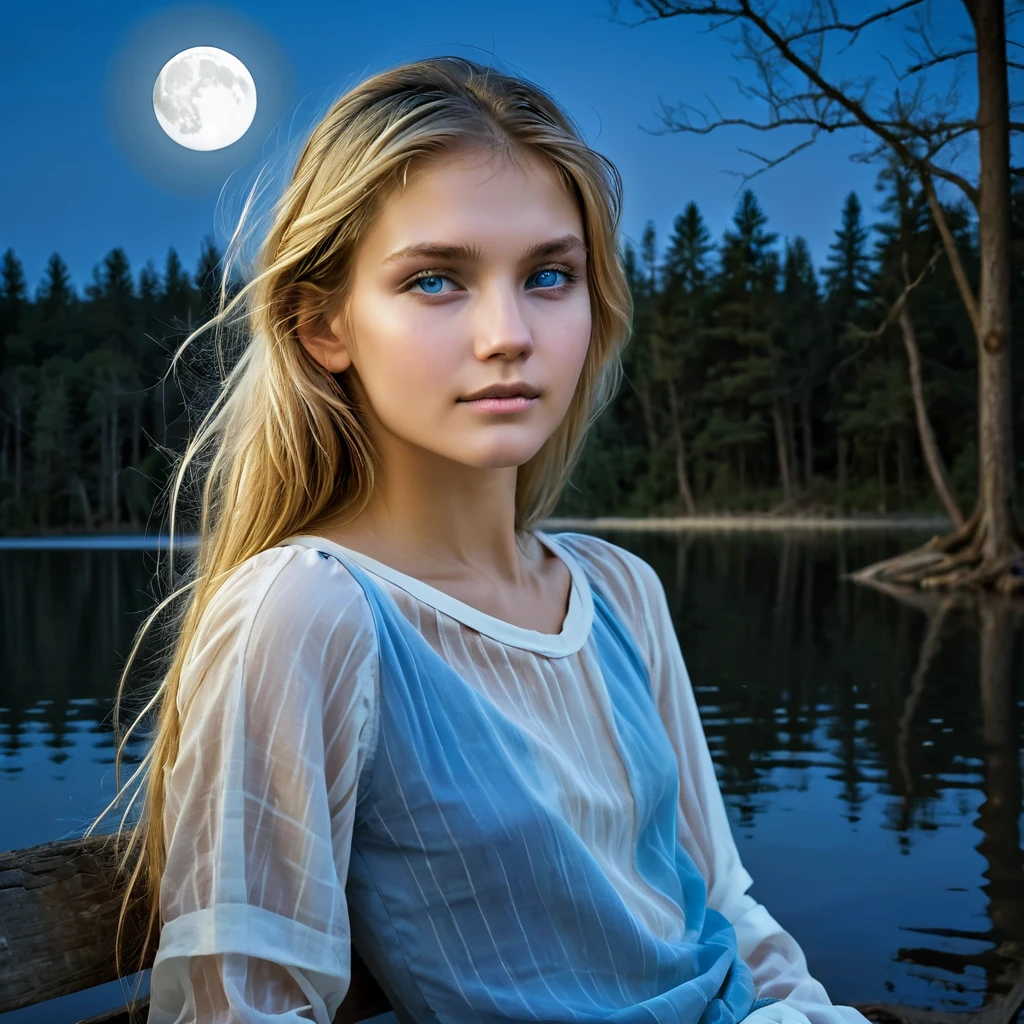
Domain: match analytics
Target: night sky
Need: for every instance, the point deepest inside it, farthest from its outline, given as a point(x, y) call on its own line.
point(86, 167)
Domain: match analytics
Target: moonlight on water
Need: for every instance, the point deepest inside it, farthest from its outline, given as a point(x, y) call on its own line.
point(204, 98)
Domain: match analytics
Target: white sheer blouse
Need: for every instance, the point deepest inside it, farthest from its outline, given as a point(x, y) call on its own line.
point(260, 800)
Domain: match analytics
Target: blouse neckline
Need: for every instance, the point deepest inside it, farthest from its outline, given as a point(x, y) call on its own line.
point(575, 626)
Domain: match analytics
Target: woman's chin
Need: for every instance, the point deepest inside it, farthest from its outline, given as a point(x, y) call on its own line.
point(501, 456)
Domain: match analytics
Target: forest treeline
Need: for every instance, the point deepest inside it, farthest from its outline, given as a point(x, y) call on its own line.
point(752, 379)
point(756, 382)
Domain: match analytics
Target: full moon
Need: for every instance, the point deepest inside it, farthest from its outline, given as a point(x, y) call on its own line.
point(204, 98)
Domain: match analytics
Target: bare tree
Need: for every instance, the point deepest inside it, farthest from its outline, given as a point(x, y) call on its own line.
point(789, 51)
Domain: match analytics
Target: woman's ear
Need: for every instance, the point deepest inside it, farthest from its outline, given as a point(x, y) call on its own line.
point(322, 338)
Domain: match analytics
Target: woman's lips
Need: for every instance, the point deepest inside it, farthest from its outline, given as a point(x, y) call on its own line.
point(516, 404)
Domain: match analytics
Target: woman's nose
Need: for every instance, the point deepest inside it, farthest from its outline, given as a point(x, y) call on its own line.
point(502, 321)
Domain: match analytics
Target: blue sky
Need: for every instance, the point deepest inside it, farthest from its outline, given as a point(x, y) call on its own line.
point(87, 168)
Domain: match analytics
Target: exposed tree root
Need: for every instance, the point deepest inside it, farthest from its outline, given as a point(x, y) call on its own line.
point(955, 560)
point(956, 539)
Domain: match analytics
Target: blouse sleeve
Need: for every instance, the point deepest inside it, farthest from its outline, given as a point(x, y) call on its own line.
point(775, 959)
point(275, 703)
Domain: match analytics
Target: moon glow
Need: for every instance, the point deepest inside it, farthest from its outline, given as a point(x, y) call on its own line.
point(204, 98)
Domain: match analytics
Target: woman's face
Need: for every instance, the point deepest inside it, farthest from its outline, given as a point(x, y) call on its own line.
point(428, 329)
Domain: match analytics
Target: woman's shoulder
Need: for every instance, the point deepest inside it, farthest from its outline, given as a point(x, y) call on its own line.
point(288, 609)
point(294, 583)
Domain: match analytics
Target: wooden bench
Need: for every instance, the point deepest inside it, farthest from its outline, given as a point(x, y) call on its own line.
point(59, 905)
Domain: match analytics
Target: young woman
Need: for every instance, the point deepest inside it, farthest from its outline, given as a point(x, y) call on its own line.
point(398, 714)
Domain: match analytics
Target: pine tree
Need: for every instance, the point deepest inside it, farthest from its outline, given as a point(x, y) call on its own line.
point(207, 277)
point(149, 284)
point(749, 262)
point(747, 380)
point(686, 267)
point(685, 272)
point(177, 291)
point(55, 291)
point(644, 356)
point(848, 270)
point(55, 317)
point(802, 326)
point(13, 294)
point(847, 276)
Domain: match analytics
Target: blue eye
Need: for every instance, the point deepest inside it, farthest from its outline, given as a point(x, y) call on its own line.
point(432, 277)
point(429, 278)
point(549, 270)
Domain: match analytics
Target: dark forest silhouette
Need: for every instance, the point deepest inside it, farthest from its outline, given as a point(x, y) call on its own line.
point(752, 381)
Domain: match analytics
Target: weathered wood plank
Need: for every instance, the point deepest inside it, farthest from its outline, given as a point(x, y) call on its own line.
point(59, 904)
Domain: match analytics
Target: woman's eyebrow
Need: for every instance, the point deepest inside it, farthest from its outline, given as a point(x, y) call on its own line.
point(468, 254)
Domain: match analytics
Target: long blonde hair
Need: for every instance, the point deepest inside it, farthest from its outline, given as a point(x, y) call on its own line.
point(289, 446)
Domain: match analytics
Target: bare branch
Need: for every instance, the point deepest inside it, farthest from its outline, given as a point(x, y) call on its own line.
point(953, 255)
point(814, 109)
point(664, 10)
point(856, 28)
point(853, 107)
point(770, 162)
point(937, 134)
point(894, 311)
point(938, 59)
point(950, 133)
point(725, 122)
point(932, 56)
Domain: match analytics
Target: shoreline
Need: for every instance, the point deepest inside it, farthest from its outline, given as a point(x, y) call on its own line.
point(753, 521)
point(677, 524)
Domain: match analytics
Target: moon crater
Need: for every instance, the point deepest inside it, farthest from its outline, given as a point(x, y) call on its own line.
point(204, 98)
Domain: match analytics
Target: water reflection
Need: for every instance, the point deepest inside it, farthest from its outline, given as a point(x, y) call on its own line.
point(999, 815)
point(868, 747)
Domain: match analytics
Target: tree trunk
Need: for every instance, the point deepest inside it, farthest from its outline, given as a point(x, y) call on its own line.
point(881, 475)
point(643, 391)
point(805, 416)
point(17, 444)
point(136, 430)
point(83, 496)
point(995, 440)
point(901, 465)
point(794, 469)
point(104, 456)
point(841, 464)
point(929, 446)
point(780, 448)
point(113, 457)
point(681, 472)
point(133, 515)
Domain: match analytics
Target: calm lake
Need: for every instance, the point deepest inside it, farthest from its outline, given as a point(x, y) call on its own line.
point(869, 753)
